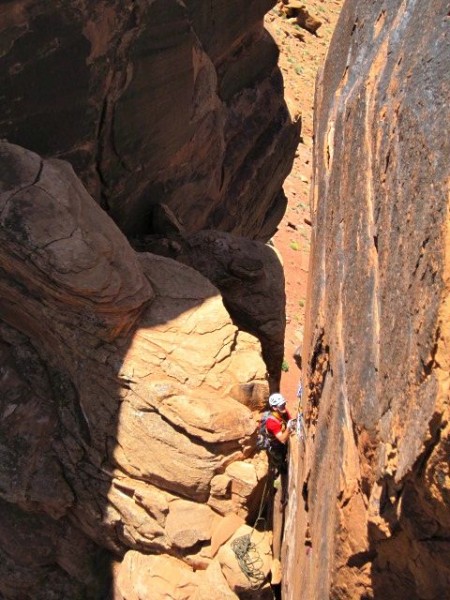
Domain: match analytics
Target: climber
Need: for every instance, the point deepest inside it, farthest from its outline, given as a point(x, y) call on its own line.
point(279, 425)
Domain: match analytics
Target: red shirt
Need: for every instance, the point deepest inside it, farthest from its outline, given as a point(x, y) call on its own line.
point(277, 422)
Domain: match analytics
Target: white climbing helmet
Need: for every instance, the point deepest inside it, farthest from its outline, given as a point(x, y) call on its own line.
point(276, 400)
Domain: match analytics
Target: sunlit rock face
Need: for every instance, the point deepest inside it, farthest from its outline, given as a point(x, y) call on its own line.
point(374, 489)
point(125, 399)
point(156, 101)
point(249, 275)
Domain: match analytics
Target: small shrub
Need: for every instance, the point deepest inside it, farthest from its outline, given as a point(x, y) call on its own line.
point(294, 246)
point(285, 366)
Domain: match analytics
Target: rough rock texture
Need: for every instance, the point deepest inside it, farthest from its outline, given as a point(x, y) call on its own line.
point(259, 557)
point(119, 378)
point(374, 487)
point(150, 101)
point(249, 275)
point(296, 11)
point(142, 577)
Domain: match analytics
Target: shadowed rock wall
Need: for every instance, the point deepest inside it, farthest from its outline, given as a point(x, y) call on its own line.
point(150, 101)
point(374, 488)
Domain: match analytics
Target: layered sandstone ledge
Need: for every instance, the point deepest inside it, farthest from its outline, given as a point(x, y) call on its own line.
point(373, 491)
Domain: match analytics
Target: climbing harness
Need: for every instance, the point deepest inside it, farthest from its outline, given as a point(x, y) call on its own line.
point(245, 550)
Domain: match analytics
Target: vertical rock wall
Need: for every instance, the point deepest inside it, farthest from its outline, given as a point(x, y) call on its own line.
point(151, 101)
point(373, 488)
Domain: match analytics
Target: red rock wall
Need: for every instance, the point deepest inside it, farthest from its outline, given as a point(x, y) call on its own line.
point(373, 487)
point(171, 101)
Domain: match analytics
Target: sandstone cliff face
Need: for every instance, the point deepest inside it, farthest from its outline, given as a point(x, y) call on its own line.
point(124, 402)
point(150, 101)
point(374, 487)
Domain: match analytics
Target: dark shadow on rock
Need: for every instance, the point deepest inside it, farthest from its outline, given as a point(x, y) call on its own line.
point(163, 101)
point(409, 550)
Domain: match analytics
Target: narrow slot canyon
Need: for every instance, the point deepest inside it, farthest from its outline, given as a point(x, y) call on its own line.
point(204, 205)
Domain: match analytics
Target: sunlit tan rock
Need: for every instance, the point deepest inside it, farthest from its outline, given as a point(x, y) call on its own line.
point(243, 478)
point(213, 585)
point(223, 530)
point(250, 277)
point(142, 577)
point(189, 523)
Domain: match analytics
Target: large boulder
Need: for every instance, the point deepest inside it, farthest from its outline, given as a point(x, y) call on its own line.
point(180, 102)
point(142, 577)
point(116, 401)
point(248, 273)
point(374, 489)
